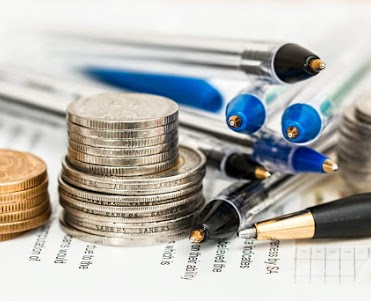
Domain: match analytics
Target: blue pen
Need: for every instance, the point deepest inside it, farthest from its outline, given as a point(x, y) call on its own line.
point(249, 111)
point(312, 110)
point(190, 91)
point(277, 155)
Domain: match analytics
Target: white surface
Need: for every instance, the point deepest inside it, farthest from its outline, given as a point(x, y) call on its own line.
point(46, 264)
point(137, 273)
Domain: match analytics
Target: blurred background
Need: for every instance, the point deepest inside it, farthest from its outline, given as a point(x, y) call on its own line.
point(302, 22)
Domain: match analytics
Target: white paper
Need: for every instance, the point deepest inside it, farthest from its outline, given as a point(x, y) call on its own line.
point(47, 264)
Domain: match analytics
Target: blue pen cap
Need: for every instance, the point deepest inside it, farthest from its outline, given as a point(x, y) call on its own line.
point(250, 110)
point(306, 159)
point(193, 92)
point(305, 119)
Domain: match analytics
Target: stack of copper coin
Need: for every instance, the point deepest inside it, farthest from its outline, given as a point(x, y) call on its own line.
point(354, 145)
point(24, 199)
point(125, 181)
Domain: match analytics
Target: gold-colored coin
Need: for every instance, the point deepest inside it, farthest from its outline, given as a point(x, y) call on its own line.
point(23, 204)
point(27, 224)
point(25, 194)
point(9, 236)
point(20, 171)
point(11, 217)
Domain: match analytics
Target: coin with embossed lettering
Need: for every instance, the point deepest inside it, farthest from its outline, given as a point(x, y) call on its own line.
point(125, 241)
point(124, 152)
point(171, 154)
point(122, 171)
point(124, 143)
point(189, 170)
point(113, 200)
point(107, 210)
point(123, 134)
point(20, 171)
point(122, 111)
point(124, 229)
point(163, 214)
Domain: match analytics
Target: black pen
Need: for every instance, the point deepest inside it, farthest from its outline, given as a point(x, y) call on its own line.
point(349, 217)
point(236, 206)
point(230, 159)
point(276, 62)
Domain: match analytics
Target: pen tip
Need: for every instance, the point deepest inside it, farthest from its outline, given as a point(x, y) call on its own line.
point(247, 233)
point(329, 166)
point(261, 173)
point(292, 132)
point(197, 235)
point(234, 121)
point(317, 65)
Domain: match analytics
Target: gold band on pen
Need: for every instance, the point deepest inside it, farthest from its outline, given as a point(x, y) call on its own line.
point(291, 226)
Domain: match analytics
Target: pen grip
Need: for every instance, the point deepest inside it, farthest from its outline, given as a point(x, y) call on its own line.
point(345, 218)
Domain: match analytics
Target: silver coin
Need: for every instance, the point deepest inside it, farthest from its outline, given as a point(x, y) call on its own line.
point(189, 171)
point(351, 122)
point(129, 241)
point(190, 163)
point(125, 229)
point(124, 143)
point(124, 161)
point(115, 210)
point(349, 135)
point(126, 200)
point(124, 152)
point(122, 111)
point(355, 155)
point(359, 129)
point(115, 134)
point(123, 171)
point(134, 217)
point(363, 109)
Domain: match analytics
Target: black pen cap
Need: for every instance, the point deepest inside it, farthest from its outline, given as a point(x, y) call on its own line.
point(292, 63)
point(219, 219)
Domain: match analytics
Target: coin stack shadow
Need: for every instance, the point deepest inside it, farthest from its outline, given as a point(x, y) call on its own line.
point(24, 198)
point(354, 147)
point(125, 180)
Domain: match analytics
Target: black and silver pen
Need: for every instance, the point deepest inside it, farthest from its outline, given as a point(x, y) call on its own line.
point(277, 62)
point(235, 207)
point(230, 159)
point(349, 217)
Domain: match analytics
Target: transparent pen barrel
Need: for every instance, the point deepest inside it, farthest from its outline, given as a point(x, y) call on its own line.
point(191, 56)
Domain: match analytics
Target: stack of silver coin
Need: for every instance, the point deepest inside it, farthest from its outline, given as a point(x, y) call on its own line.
point(354, 147)
point(125, 180)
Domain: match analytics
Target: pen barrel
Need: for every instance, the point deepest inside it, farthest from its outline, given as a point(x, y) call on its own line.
point(345, 218)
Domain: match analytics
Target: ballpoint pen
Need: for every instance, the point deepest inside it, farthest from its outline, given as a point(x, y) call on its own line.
point(230, 159)
point(268, 153)
point(235, 207)
point(276, 62)
point(311, 110)
point(51, 93)
point(276, 154)
point(249, 111)
point(186, 90)
point(348, 217)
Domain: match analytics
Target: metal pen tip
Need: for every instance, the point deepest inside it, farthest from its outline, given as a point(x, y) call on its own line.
point(317, 65)
point(329, 166)
point(197, 235)
point(247, 233)
point(292, 132)
point(234, 121)
point(261, 173)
